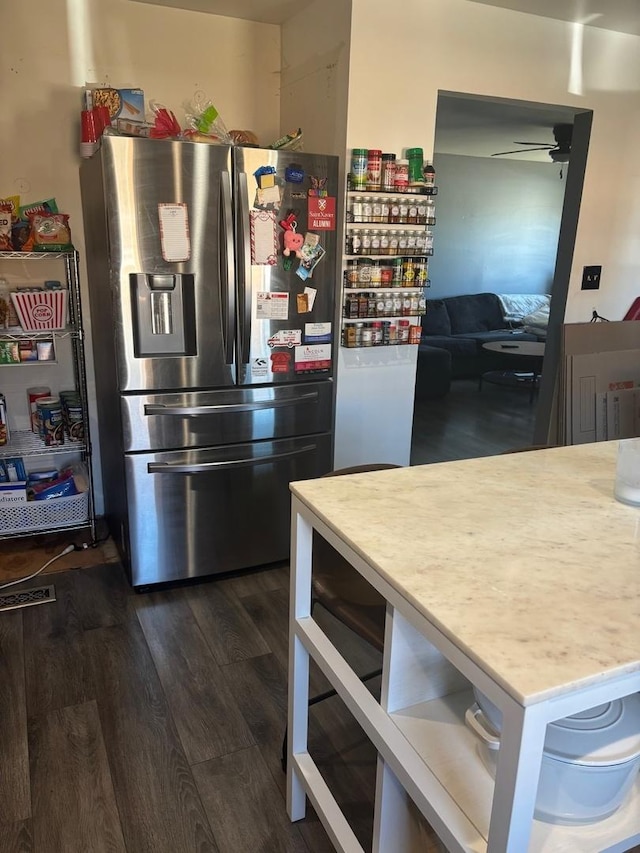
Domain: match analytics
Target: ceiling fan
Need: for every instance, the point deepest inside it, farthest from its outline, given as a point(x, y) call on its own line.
point(558, 152)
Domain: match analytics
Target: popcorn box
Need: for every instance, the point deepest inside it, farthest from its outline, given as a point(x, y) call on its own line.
point(44, 309)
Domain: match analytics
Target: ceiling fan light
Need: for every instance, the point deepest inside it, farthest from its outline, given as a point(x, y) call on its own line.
point(559, 156)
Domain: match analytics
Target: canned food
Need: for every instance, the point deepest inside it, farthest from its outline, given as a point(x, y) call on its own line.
point(50, 419)
point(359, 168)
point(33, 395)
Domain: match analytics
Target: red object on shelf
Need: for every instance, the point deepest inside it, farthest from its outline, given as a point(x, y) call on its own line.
point(634, 312)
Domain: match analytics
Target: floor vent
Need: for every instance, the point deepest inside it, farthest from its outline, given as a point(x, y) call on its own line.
point(37, 595)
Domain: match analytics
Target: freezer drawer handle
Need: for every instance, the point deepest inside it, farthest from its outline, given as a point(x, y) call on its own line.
point(192, 411)
point(204, 467)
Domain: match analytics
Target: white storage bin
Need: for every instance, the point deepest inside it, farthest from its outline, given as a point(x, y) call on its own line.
point(589, 764)
point(40, 515)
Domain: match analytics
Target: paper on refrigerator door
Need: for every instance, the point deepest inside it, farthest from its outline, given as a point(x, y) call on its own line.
point(264, 238)
point(174, 232)
point(272, 306)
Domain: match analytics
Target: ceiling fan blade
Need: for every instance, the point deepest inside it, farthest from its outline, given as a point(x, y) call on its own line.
point(549, 144)
point(523, 150)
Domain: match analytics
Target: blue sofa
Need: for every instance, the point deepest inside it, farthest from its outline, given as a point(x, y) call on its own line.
point(461, 325)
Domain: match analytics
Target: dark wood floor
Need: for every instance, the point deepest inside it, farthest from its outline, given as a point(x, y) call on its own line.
point(154, 722)
point(468, 422)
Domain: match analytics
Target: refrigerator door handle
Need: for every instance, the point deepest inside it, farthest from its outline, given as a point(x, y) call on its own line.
point(188, 411)
point(244, 257)
point(227, 266)
point(205, 467)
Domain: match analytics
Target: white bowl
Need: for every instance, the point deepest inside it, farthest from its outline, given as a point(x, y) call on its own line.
point(578, 784)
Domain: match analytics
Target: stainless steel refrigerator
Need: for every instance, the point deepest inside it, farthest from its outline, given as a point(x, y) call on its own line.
point(212, 280)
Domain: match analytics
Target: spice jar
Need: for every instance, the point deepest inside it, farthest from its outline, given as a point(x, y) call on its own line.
point(374, 169)
point(393, 333)
point(358, 327)
point(386, 274)
point(403, 212)
point(414, 334)
point(350, 335)
point(375, 242)
point(415, 156)
point(359, 168)
point(351, 274)
point(377, 334)
point(394, 211)
point(393, 242)
point(364, 270)
point(367, 335)
point(377, 210)
point(403, 331)
point(355, 210)
point(388, 171)
point(366, 240)
point(396, 272)
point(367, 210)
point(376, 274)
point(401, 177)
point(384, 243)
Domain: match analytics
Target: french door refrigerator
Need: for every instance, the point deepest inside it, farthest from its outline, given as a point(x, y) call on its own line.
point(212, 279)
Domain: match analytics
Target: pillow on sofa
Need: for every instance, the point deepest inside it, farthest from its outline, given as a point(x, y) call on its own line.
point(536, 323)
point(436, 321)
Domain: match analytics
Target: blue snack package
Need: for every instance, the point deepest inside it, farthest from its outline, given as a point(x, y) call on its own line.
point(63, 487)
point(3, 472)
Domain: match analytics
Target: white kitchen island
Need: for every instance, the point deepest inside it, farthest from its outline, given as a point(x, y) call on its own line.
point(519, 574)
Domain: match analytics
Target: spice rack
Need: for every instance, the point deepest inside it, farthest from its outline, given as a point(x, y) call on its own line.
point(387, 247)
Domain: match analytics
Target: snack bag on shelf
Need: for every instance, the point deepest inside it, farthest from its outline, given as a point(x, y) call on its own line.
point(49, 233)
point(47, 206)
point(14, 201)
point(6, 243)
point(290, 142)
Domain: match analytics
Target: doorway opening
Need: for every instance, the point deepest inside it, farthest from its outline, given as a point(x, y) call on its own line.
point(510, 177)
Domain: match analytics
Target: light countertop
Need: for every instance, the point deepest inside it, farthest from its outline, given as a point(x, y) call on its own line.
point(525, 561)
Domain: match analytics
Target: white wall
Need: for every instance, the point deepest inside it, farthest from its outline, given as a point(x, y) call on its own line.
point(497, 226)
point(458, 46)
point(50, 49)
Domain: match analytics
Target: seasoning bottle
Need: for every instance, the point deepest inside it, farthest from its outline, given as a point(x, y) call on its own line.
point(358, 327)
point(386, 275)
point(396, 310)
point(422, 304)
point(412, 214)
point(374, 169)
point(384, 210)
point(406, 305)
point(354, 242)
point(421, 218)
point(372, 305)
point(393, 333)
point(396, 272)
point(377, 210)
point(402, 242)
point(429, 174)
point(367, 210)
point(388, 171)
point(380, 305)
point(430, 214)
point(401, 177)
point(356, 209)
point(375, 242)
point(403, 331)
point(351, 274)
point(350, 335)
point(366, 241)
point(364, 270)
point(414, 334)
point(403, 211)
point(414, 304)
point(394, 211)
point(393, 242)
point(386, 325)
point(415, 157)
point(384, 243)
point(388, 304)
point(377, 334)
point(367, 335)
point(376, 274)
point(359, 168)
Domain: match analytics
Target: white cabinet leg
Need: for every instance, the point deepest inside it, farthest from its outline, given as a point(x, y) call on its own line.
point(518, 771)
point(299, 606)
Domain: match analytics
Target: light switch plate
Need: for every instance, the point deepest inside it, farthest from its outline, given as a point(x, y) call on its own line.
point(591, 278)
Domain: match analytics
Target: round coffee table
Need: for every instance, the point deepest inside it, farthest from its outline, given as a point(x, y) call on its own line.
point(529, 353)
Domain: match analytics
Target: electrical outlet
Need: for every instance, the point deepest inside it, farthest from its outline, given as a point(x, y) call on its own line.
point(591, 278)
